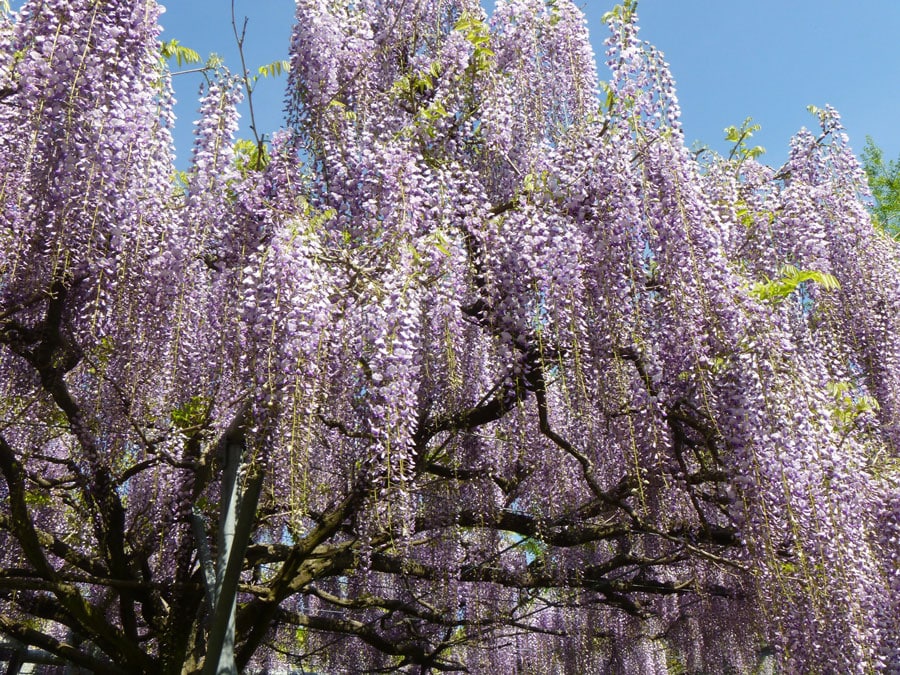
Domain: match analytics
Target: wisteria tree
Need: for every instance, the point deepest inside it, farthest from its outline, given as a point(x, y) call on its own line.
point(476, 369)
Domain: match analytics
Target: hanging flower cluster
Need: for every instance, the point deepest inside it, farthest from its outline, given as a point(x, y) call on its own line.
point(523, 385)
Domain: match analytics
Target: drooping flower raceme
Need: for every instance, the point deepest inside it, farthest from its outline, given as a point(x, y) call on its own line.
point(523, 386)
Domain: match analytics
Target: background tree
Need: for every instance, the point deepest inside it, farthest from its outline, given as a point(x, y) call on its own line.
point(496, 376)
point(884, 181)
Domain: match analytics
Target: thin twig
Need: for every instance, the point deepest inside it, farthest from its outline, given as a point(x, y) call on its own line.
point(239, 37)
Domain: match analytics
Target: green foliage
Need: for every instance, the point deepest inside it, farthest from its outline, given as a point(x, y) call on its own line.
point(748, 217)
point(318, 219)
point(186, 56)
point(625, 11)
point(250, 156)
point(36, 498)
point(412, 85)
point(739, 136)
point(193, 415)
point(412, 89)
point(534, 548)
point(102, 353)
point(181, 180)
point(820, 114)
point(884, 182)
point(213, 61)
point(440, 241)
point(609, 98)
point(849, 405)
point(182, 55)
point(674, 664)
point(790, 280)
point(476, 31)
point(534, 182)
point(553, 7)
point(301, 638)
point(274, 69)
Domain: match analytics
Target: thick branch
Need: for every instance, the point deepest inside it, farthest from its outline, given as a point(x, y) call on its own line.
point(67, 652)
point(257, 616)
point(412, 651)
point(57, 547)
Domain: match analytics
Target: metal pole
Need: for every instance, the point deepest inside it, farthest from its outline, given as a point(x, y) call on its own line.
point(234, 535)
point(206, 565)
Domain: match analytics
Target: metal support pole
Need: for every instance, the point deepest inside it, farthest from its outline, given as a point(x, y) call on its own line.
point(206, 563)
point(237, 516)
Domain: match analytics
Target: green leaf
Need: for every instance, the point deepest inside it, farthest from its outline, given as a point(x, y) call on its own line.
point(883, 178)
point(35, 498)
point(732, 135)
point(440, 242)
point(776, 290)
point(250, 155)
point(610, 97)
point(275, 68)
point(739, 137)
point(193, 414)
point(849, 404)
point(182, 55)
point(478, 34)
point(534, 547)
point(528, 183)
point(214, 61)
point(625, 11)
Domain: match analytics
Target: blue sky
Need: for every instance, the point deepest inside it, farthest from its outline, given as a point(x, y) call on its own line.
point(766, 59)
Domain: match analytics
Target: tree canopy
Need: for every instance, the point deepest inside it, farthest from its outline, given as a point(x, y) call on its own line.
point(884, 181)
point(475, 369)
